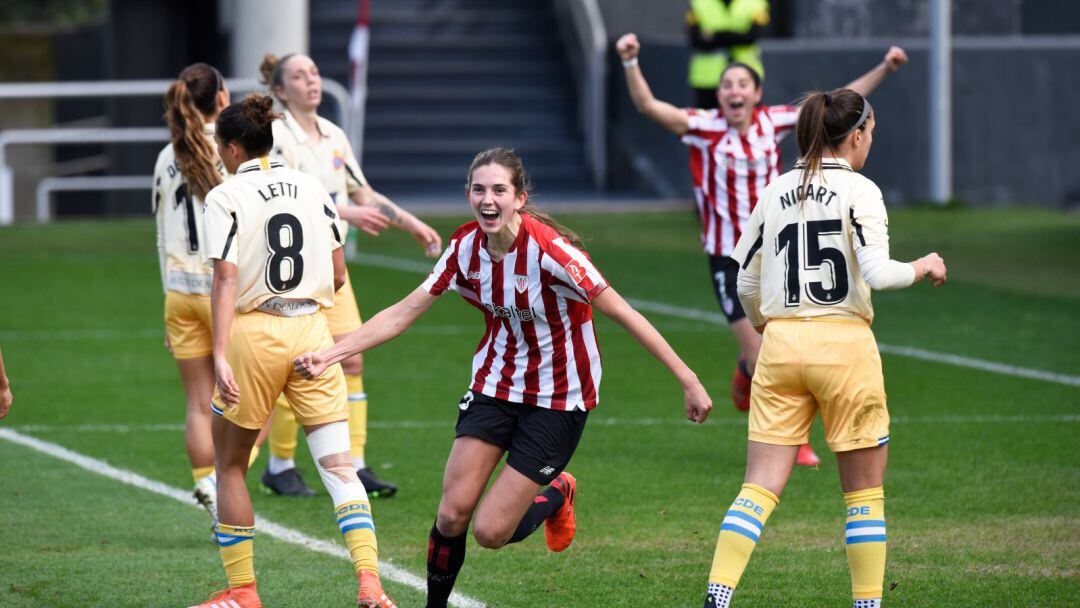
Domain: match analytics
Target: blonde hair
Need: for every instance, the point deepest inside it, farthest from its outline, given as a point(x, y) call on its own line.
point(190, 101)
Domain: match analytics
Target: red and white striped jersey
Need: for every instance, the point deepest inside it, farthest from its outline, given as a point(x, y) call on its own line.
point(539, 347)
point(730, 170)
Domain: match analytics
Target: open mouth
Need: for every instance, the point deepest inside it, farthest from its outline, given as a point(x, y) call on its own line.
point(489, 215)
point(735, 105)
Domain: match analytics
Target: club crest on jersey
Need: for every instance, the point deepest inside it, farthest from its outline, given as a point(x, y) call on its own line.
point(521, 281)
point(339, 160)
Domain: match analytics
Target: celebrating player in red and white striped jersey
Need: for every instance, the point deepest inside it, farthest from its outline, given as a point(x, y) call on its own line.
point(734, 154)
point(536, 371)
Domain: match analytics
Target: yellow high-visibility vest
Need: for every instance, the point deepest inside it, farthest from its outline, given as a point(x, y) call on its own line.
point(718, 16)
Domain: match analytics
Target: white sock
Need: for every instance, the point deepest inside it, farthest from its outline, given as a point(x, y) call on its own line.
point(871, 603)
point(279, 465)
point(721, 594)
point(358, 462)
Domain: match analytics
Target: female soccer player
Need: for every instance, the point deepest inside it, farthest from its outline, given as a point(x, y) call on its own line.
point(536, 374)
point(309, 143)
point(273, 237)
point(186, 169)
point(813, 249)
point(734, 153)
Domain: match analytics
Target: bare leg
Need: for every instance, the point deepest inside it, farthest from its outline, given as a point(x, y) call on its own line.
point(197, 375)
point(769, 466)
point(468, 470)
point(232, 451)
point(862, 469)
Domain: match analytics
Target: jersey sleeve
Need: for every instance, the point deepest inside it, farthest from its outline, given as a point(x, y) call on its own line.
point(784, 119)
point(574, 268)
point(283, 149)
point(337, 239)
point(443, 277)
point(748, 254)
point(703, 126)
point(870, 241)
point(157, 205)
point(221, 224)
point(354, 177)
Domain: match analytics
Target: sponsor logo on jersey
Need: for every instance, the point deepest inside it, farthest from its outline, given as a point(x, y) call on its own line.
point(511, 312)
point(473, 275)
point(521, 281)
point(576, 272)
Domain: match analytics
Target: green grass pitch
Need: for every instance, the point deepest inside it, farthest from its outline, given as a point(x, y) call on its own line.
point(983, 488)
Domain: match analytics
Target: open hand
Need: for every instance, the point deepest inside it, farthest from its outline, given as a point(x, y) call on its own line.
point(367, 219)
point(428, 238)
point(226, 383)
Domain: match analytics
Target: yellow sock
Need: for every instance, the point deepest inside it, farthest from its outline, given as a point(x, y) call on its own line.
point(254, 455)
point(865, 536)
point(283, 430)
point(237, 546)
point(358, 407)
point(739, 533)
point(354, 521)
point(198, 473)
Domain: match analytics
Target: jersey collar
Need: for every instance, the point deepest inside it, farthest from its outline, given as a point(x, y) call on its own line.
point(209, 129)
point(298, 132)
point(827, 163)
point(263, 163)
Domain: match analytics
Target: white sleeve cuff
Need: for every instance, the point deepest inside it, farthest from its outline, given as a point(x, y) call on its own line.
point(882, 273)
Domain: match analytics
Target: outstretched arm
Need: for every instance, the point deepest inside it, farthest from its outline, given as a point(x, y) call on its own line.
point(894, 58)
point(614, 306)
point(668, 116)
point(383, 327)
point(370, 198)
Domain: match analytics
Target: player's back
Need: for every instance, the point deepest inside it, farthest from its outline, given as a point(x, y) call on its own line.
point(808, 235)
point(277, 225)
point(180, 224)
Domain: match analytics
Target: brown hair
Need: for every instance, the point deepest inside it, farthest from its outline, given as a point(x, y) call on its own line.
point(507, 159)
point(738, 64)
point(272, 70)
point(825, 120)
point(248, 123)
point(189, 102)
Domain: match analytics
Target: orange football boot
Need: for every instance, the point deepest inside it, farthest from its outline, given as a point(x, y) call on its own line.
point(244, 596)
point(371, 592)
point(560, 527)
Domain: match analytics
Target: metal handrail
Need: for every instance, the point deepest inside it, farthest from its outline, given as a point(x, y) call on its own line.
point(588, 28)
point(115, 88)
point(85, 182)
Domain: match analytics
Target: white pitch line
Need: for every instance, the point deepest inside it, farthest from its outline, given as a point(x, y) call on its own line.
point(617, 422)
point(387, 571)
point(695, 314)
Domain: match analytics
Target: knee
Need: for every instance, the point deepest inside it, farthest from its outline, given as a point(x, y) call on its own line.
point(453, 521)
point(490, 537)
point(353, 366)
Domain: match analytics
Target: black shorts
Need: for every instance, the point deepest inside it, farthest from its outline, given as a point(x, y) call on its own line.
point(539, 441)
point(725, 277)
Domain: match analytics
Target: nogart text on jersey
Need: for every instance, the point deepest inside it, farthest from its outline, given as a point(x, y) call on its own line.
point(811, 192)
point(511, 312)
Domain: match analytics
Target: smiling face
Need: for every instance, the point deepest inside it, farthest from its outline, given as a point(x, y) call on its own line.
point(738, 94)
point(494, 200)
point(301, 84)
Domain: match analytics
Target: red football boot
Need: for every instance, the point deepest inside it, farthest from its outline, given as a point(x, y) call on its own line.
point(740, 387)
point(560, 527)
point(244, 596)
point(806, 456)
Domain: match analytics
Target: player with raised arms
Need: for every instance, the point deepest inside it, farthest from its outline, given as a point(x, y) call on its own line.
point(734, 154)
point(186, 169)
point(276, 247)
point(535, 375)
point(814, 247)
point(310, 143)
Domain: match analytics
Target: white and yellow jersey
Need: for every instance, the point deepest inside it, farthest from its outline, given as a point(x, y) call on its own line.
point(817, 250)
point(329, 158)
point(279, 226)
point(179, 217)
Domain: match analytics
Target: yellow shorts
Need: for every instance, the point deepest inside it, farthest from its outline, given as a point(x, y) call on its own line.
point(187, 324)
point(344, 316)
point(828, 365)
point(261, 352)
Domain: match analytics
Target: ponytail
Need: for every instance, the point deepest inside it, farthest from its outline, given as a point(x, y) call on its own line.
point(190, 101)
point(510, 161)
point(825, 120)
point(272, 71)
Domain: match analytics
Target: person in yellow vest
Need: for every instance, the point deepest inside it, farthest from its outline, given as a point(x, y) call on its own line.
point(722, 31)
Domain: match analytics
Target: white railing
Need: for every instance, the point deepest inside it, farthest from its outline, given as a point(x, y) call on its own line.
point(591, 39)
point(115, 88)
point(81, 183)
